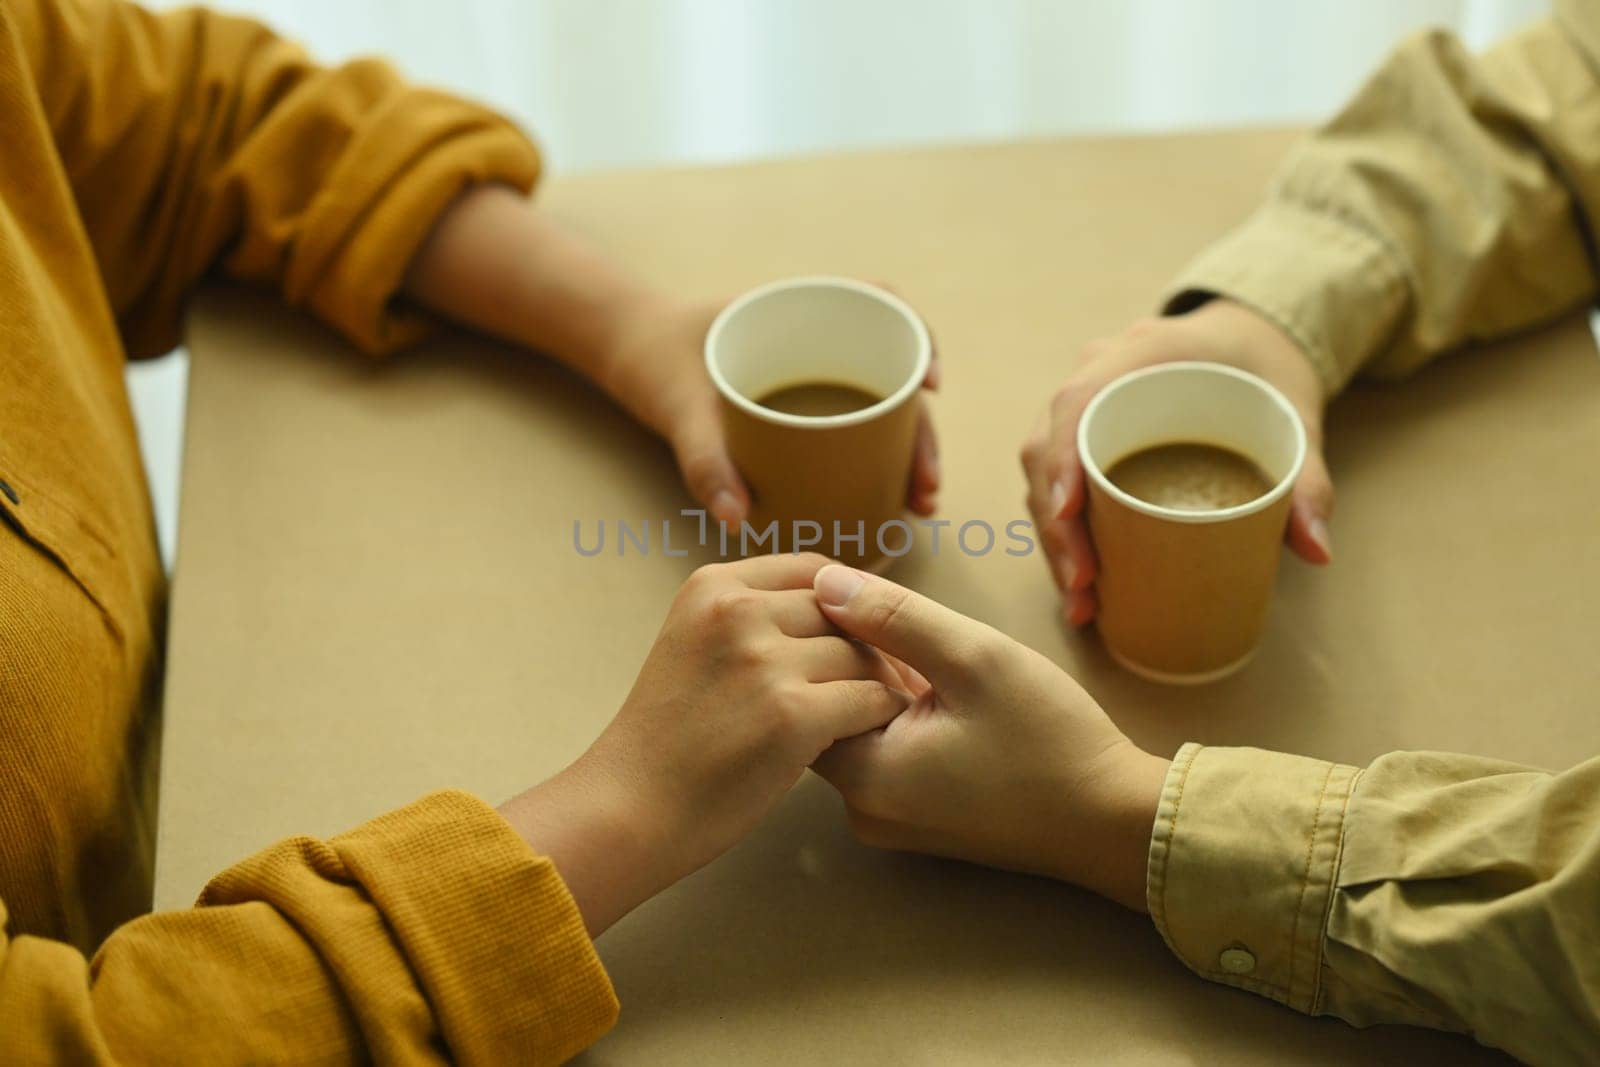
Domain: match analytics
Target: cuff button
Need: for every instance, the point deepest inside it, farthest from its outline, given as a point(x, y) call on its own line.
point(1236, 961)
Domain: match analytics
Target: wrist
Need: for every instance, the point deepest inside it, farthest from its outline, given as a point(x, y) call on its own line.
point(1253, 341)
point(1119, 820)
point(603, 843)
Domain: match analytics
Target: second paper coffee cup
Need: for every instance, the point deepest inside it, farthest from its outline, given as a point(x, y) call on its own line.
point(819, 379)
point(1183, 592)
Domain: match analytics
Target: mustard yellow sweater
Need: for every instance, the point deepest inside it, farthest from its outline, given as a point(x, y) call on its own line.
point(137, 152)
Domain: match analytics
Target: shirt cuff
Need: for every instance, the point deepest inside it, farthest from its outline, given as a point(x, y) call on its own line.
point(1243, 860)
point(1332, 286)
point(411, 161)
point(494, 938)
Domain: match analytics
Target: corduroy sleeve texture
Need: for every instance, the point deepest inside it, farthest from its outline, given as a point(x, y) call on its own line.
point(428, 935)
point(194, 140)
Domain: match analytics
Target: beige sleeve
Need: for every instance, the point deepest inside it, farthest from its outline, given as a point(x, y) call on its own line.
point(1438, 890)
point(1450, 201)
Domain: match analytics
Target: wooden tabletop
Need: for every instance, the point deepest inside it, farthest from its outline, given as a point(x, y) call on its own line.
point(377, 595)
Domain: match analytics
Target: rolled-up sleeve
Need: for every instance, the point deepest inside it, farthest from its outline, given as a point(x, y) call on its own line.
point(432, 934)
point(195, 140)
point(1452, 200)
point(1438, 890)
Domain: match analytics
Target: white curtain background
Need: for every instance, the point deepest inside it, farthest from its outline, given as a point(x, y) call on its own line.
point(629, 83)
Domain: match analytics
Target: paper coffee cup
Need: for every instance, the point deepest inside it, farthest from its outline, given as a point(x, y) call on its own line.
point(1183, 595)
point(830, 483)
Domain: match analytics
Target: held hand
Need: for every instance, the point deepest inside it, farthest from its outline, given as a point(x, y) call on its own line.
point(655, 368)
point(746, 685)
point(1002, 759)
point(1220, 331)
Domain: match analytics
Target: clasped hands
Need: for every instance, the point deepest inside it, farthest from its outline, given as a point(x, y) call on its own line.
point(941, 734)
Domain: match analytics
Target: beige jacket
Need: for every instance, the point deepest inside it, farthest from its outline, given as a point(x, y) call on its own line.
point(1451, 201)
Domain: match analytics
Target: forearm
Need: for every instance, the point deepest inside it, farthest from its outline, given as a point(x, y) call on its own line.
point(495, 263)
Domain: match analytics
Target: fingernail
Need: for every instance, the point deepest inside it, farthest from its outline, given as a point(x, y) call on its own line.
point(1058, 498)
point(724, 507)
point(836, 584)
point(1069, 572)
point(933, 467)
point(1318, 529)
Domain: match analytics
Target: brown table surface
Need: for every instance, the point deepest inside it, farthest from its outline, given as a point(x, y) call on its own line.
point(377, 595)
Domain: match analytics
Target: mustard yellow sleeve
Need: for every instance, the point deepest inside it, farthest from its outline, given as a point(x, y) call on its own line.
point(1439, 890)
point(193, 139)
point(1452, 200)
point(429, 935)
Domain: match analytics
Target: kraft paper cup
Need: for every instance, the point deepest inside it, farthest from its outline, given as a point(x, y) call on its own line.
point(818, 471)
point(1184, 594)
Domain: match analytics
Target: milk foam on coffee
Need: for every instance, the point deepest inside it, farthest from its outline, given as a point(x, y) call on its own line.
point(1190, 476)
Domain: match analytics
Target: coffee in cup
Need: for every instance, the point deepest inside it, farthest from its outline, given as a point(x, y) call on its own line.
point(1190, 476)
point(818, 398)
point(1189, 468)
point(819, 380)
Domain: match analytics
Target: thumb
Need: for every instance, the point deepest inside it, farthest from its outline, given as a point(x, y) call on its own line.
point(709, 473)
point(1310, 508)
point(923, 634)
point(850, 763)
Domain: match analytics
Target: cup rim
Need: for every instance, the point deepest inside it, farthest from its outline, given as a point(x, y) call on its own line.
point(907, 389)
point(1122, 496)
